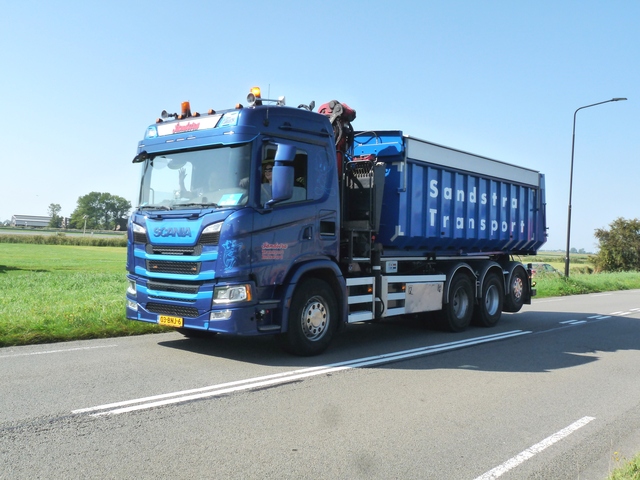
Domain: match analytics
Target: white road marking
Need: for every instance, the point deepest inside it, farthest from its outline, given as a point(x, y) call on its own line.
point(284, 377)
point(65, 350)
point(535, 449)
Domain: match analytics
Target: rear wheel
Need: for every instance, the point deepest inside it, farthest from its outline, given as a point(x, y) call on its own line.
point(517, 290)
point(312, 319)
point(456, 313)
point(489, 308)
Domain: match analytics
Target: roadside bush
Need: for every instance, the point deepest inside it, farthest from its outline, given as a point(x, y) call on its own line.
point(62, 239)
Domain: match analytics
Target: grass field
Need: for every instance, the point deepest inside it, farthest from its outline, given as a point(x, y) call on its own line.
point(53, 293)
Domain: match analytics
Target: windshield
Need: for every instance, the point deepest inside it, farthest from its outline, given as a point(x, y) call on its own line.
point(215, 177)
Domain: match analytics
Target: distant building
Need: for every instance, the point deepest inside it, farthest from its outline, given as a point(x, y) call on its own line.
point(29, 221)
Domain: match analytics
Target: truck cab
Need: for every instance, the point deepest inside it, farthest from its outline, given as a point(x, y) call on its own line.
point(214, 246)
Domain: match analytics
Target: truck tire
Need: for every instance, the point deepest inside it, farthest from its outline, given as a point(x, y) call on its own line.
point(517, 290)
point(489, 308)
point(456, 313)
point(312, 319)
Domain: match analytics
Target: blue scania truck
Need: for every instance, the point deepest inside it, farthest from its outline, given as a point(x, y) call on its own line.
point(269, 220)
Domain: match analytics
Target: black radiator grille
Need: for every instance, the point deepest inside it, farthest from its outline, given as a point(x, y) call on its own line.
point(164, 250)
point(164, 266)
point(173, 287)
point(210, 238)
point(173, 310)
point(139, 237)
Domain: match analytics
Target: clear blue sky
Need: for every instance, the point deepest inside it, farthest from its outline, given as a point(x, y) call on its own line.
point(82, 80)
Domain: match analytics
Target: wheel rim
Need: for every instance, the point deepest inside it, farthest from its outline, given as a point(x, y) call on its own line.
point(492, 300)
point(315, 318)
point(518, 287)
point(460, 303)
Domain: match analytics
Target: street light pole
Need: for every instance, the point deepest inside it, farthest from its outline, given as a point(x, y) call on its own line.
point(85, 225)
point(573, 143)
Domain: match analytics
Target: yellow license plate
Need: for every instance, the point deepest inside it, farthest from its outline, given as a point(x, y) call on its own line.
point(170, 321)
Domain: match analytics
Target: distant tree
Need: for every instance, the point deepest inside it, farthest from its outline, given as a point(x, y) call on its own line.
point(53, 211)
point(101, 211)
point(619, 246)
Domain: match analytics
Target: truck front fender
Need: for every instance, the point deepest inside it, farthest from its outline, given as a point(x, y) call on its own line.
point(323, 269)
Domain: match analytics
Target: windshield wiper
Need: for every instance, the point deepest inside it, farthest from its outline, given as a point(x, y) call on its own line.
point(155, 207)
point(195, 204)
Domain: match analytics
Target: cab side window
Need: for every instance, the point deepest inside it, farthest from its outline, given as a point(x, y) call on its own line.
point(300, 177)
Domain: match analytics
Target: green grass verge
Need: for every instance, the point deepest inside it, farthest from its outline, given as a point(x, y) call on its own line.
point(53, 293)
point(629, 471)
point(115, 240)
point(581, 283)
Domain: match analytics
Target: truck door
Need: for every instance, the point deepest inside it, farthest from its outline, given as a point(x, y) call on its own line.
point(301, 227)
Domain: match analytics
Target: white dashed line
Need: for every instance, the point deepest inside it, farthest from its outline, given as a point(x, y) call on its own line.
point(534, 450)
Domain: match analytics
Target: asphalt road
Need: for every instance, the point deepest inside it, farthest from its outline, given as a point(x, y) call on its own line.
point(552, 392)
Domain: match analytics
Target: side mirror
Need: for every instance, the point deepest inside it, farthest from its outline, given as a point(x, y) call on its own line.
point(282, 175)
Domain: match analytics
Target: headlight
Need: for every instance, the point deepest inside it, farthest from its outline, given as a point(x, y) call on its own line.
point(139, 229)
point(232, 294)
point(214, 228)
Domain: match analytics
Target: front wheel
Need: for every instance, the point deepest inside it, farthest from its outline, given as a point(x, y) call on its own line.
point(312, 319)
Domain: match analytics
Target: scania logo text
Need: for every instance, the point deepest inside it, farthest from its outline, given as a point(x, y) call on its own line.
point(172, 232)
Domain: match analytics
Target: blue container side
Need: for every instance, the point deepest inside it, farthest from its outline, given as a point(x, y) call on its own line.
point(432, 207)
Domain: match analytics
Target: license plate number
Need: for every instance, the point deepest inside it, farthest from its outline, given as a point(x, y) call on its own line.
point(170, 321)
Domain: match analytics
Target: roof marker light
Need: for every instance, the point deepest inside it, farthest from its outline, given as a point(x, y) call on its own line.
point(186, 111)
point(254, 97)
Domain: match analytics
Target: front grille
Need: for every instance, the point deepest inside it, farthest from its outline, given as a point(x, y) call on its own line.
point(210, 238)
point(139, 237)
point(173, 310)
point(163, 250)
point(183, 268)
point(173, 287)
